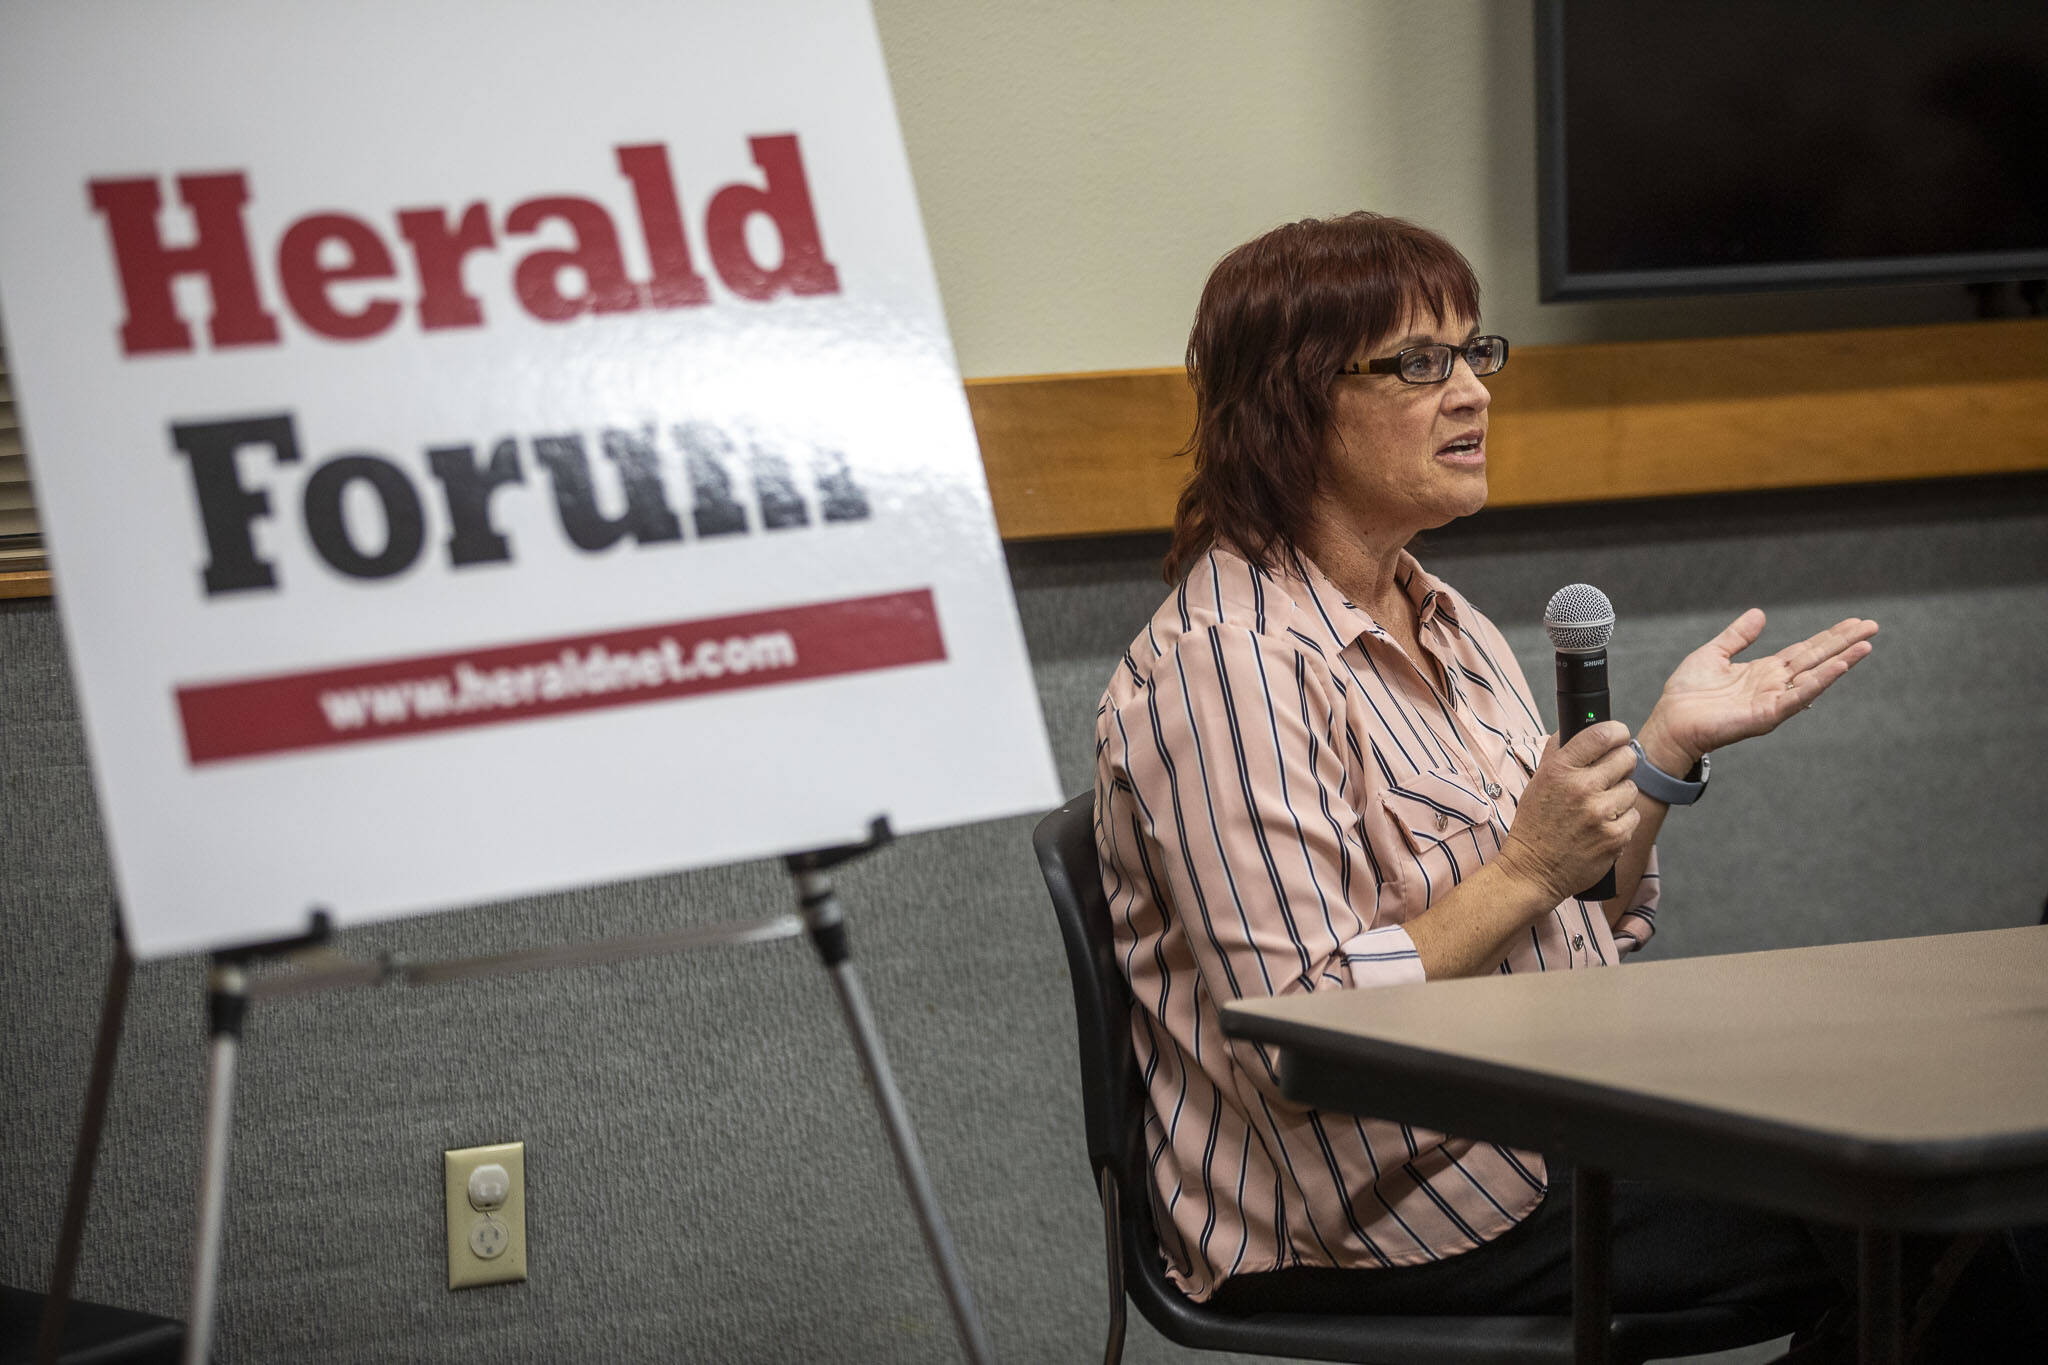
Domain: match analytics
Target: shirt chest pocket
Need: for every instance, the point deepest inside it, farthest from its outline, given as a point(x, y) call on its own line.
point(1441, 830)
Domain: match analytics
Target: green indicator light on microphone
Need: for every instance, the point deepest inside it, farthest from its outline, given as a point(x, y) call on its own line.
point(1589, 715)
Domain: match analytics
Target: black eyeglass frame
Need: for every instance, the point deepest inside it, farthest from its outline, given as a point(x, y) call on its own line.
point(1391, 364)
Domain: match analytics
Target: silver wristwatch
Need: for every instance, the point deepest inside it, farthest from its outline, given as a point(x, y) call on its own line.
point(1652, 781)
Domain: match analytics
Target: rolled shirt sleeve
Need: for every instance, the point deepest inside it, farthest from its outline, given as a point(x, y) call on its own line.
point(1639, 921)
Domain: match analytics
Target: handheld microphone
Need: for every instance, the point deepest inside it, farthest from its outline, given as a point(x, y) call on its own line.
point(1580, 622)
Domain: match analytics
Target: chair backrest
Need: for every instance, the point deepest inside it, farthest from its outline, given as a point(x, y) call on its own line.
point(1113, 1102)
point(1112, 1095)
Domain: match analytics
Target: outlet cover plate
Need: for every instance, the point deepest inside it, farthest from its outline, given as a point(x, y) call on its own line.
point(466, 1269)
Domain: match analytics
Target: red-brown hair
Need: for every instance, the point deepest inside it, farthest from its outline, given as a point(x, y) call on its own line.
point(1280, 317)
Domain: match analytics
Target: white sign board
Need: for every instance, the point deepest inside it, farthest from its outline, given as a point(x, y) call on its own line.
point(489, 447)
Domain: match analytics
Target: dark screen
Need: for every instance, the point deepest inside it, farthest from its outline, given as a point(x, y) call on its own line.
point(1744, 134)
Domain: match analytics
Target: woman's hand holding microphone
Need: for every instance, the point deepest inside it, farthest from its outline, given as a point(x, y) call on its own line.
point(1576, 815)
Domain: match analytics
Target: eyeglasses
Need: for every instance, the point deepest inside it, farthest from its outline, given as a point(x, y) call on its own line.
point(1432, 364)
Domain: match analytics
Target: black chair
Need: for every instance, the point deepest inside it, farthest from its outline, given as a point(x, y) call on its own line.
point(1113, 1100)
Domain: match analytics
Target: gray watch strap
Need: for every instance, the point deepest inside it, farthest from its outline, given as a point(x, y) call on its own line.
point(1659, 785)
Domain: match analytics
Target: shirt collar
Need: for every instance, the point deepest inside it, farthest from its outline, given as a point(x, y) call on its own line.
point(1433, 601)
point(1348, 621)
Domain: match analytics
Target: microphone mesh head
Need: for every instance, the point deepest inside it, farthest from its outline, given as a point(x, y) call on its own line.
point(1579, 619)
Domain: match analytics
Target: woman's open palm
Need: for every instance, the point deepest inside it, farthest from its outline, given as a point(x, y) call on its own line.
point(1715, 699)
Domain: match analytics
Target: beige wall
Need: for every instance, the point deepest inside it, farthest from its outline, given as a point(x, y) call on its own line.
point(1082, 164)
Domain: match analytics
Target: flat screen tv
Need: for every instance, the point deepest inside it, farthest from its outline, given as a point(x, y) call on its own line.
point(1693, 146)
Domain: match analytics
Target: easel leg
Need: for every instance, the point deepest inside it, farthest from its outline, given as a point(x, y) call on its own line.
point(827, 924)
point(227, 1002)
point(86, 1156)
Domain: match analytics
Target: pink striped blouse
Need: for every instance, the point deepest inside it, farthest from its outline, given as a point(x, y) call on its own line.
point(1278, 789)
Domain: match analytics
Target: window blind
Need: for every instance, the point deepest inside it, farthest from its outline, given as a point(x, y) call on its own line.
point(21, 537)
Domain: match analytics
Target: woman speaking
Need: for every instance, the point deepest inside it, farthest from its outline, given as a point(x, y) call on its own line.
point(1319, 766)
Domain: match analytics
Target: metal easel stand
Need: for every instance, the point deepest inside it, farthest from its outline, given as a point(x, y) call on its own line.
point(232, 988)
point(227, 1004)
point(825, 918)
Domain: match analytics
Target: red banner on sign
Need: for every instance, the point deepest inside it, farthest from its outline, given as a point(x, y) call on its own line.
point(540, 678)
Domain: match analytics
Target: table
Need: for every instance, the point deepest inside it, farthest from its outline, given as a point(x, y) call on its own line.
point(1894, 1085)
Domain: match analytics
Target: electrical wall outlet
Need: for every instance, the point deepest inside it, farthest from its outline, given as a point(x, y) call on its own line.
point(486, 1195)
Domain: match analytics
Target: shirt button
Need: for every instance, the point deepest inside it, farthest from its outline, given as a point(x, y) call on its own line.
point(1493, 790)
point(1442, 821)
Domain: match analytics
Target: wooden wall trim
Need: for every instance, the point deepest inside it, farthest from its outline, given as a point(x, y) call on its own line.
point(1092, 454)
point(25, 583)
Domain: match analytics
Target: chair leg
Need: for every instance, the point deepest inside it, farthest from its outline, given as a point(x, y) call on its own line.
point(1877, 1296)
point(1592, 1260)
point(1112, 1238)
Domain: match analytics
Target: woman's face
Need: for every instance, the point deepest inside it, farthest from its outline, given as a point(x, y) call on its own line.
point(1402, 458)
